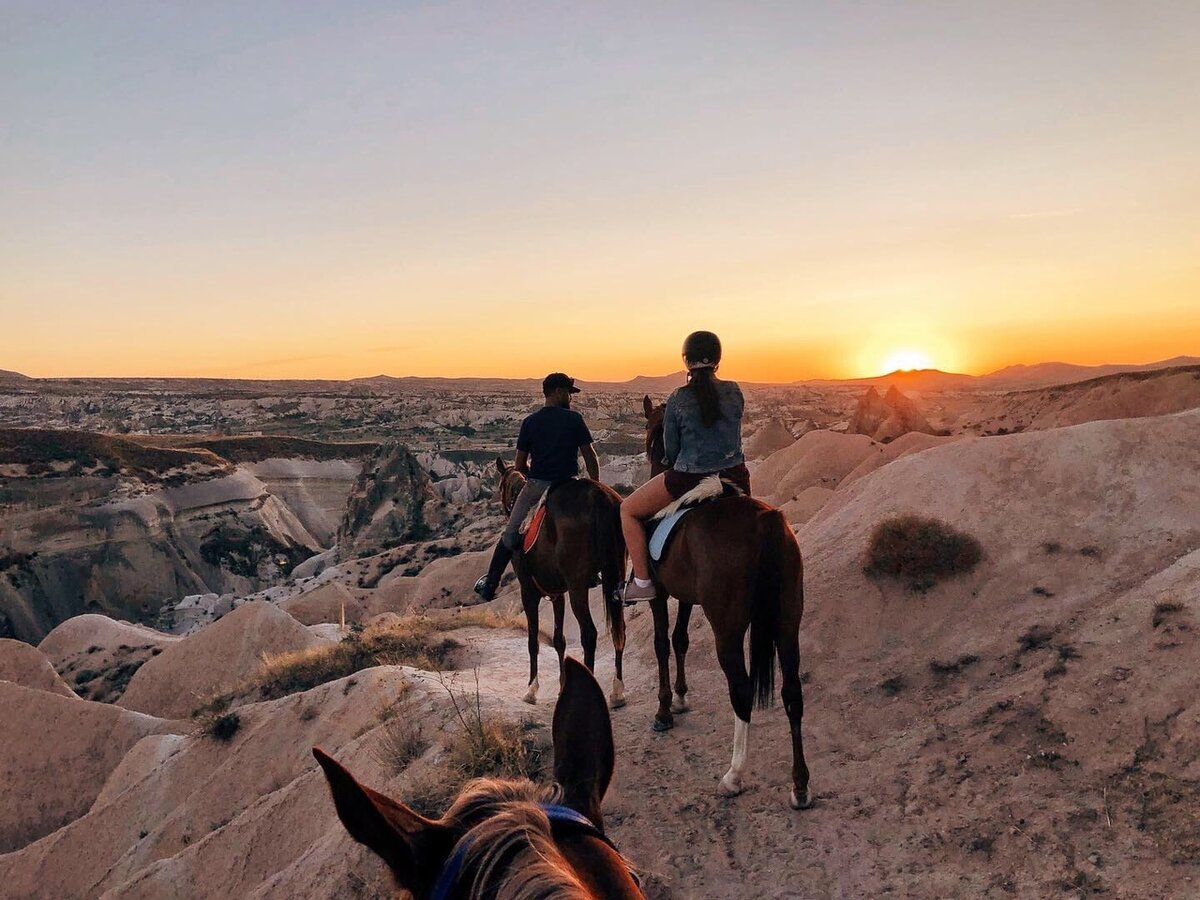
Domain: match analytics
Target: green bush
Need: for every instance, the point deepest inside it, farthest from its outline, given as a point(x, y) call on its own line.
point(919, 551)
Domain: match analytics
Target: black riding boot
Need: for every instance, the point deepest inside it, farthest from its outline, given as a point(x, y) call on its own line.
point(486, 586)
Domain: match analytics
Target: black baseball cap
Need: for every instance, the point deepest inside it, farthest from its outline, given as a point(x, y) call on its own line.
point(556, 380)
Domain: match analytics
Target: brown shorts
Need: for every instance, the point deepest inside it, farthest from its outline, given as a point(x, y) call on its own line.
point(679, 483)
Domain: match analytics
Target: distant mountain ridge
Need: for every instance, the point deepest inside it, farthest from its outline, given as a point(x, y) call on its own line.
point(1016, 377)
point(1051, 373)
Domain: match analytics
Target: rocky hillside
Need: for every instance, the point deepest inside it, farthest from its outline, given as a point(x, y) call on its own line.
point(1121, 396)
point(1026, 728)
point(98, 523)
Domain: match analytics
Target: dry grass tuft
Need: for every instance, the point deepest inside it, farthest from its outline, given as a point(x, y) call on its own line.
point(920, 551)
point(416, 642)
point(482, 746)
point(220, 726)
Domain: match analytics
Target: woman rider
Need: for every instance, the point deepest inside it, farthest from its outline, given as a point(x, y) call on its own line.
point(702, 430)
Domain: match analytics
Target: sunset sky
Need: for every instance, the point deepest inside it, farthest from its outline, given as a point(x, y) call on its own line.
point(342, 189)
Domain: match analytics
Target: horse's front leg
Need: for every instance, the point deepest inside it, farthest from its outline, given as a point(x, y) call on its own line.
point(663, 719)
point(679, 640)
point(587, 628)
point(530, 599)
point(560, 640)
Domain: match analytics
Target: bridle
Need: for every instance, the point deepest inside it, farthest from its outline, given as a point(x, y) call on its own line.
point(511, 483)
point(563, 816)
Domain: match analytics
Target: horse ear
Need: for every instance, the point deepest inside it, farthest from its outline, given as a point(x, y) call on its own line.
point(501, 466)
point(647, 406)
point(415, 848)
point(583, 742)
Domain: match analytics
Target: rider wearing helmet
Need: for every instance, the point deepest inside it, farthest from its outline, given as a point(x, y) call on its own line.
point(702, 431)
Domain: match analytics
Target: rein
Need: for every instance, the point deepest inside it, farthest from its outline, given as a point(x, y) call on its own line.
point(556, 813)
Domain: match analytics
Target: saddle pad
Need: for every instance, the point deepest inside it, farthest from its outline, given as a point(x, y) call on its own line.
point(535, 528)
point(658, 539)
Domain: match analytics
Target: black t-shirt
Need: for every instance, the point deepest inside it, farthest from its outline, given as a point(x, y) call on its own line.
point(552, 437)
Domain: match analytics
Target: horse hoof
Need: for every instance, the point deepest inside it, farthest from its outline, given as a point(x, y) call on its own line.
point(679, 704)
point(531, 694)
point(617, 698)
point(802, 802)
point(730, 786)
point(659, 725)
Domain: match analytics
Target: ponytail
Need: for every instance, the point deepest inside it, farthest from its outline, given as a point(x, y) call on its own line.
point(702, 381)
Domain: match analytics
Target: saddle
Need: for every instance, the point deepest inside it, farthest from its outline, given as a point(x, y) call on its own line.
point(662, 524)
point(530, 535)
point(537, 517)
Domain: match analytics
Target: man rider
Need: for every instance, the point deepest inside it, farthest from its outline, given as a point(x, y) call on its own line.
point(553, 437)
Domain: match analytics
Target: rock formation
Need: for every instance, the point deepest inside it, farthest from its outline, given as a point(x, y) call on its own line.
point(886, 418)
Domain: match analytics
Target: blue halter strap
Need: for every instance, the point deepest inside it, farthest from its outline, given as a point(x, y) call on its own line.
point(556, 813)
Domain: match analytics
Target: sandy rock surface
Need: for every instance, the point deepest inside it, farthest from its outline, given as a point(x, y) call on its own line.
point(216, 659)
point(27, 666)
point(55, 757)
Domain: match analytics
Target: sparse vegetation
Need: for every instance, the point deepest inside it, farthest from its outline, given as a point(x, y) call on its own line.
point(483, 746)
point(401, 741)
point(920, 551)
point(893, 685)
point(954, 666)
point(1163, 611)
point(416, 642)
point(38, 447)
point(1091, 551)
point(1035, 638)
point(220, 726)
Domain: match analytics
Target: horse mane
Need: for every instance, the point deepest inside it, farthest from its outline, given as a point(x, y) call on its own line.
point(511, 848)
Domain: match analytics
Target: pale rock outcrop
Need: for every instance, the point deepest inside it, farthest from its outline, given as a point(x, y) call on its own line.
point(25, 665)
point(56, 753)
point(216, 659)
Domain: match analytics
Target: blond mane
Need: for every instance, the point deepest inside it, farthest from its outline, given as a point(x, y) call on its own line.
point(511, 849)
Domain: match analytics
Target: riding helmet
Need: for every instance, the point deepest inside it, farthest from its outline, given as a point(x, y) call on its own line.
point(702, 348)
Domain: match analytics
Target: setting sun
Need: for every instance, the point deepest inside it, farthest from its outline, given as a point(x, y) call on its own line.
point(906, 360)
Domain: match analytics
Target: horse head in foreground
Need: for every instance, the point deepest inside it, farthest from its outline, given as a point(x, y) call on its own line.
point(737, 558)
point(511, 839)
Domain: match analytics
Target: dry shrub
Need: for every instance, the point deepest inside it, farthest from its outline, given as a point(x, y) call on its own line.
point(220, 726)
point(416, 642)
point(483, 746)
point(402, 738)
point(920, 551)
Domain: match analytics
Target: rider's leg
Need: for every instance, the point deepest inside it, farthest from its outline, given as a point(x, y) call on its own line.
point(642, 503)
point(530, 494)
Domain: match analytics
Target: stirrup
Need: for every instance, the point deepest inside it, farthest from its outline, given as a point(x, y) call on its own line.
point(485, 588)
point(631, 585)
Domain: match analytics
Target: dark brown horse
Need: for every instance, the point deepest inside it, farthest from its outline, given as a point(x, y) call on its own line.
point(506, 838)
point(581, 536)
point(738, 560)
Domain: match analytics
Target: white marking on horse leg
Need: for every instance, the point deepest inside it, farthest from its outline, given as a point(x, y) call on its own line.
point(617, 698)
point(679, 704)
point(531, 694)
point(731, 784)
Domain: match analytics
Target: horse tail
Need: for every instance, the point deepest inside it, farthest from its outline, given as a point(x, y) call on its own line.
point(766, 597)
point(607, 545)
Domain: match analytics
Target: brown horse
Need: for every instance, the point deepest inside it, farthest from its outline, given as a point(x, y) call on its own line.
point(738, 560)
point(506, 838)
point(581, 536)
